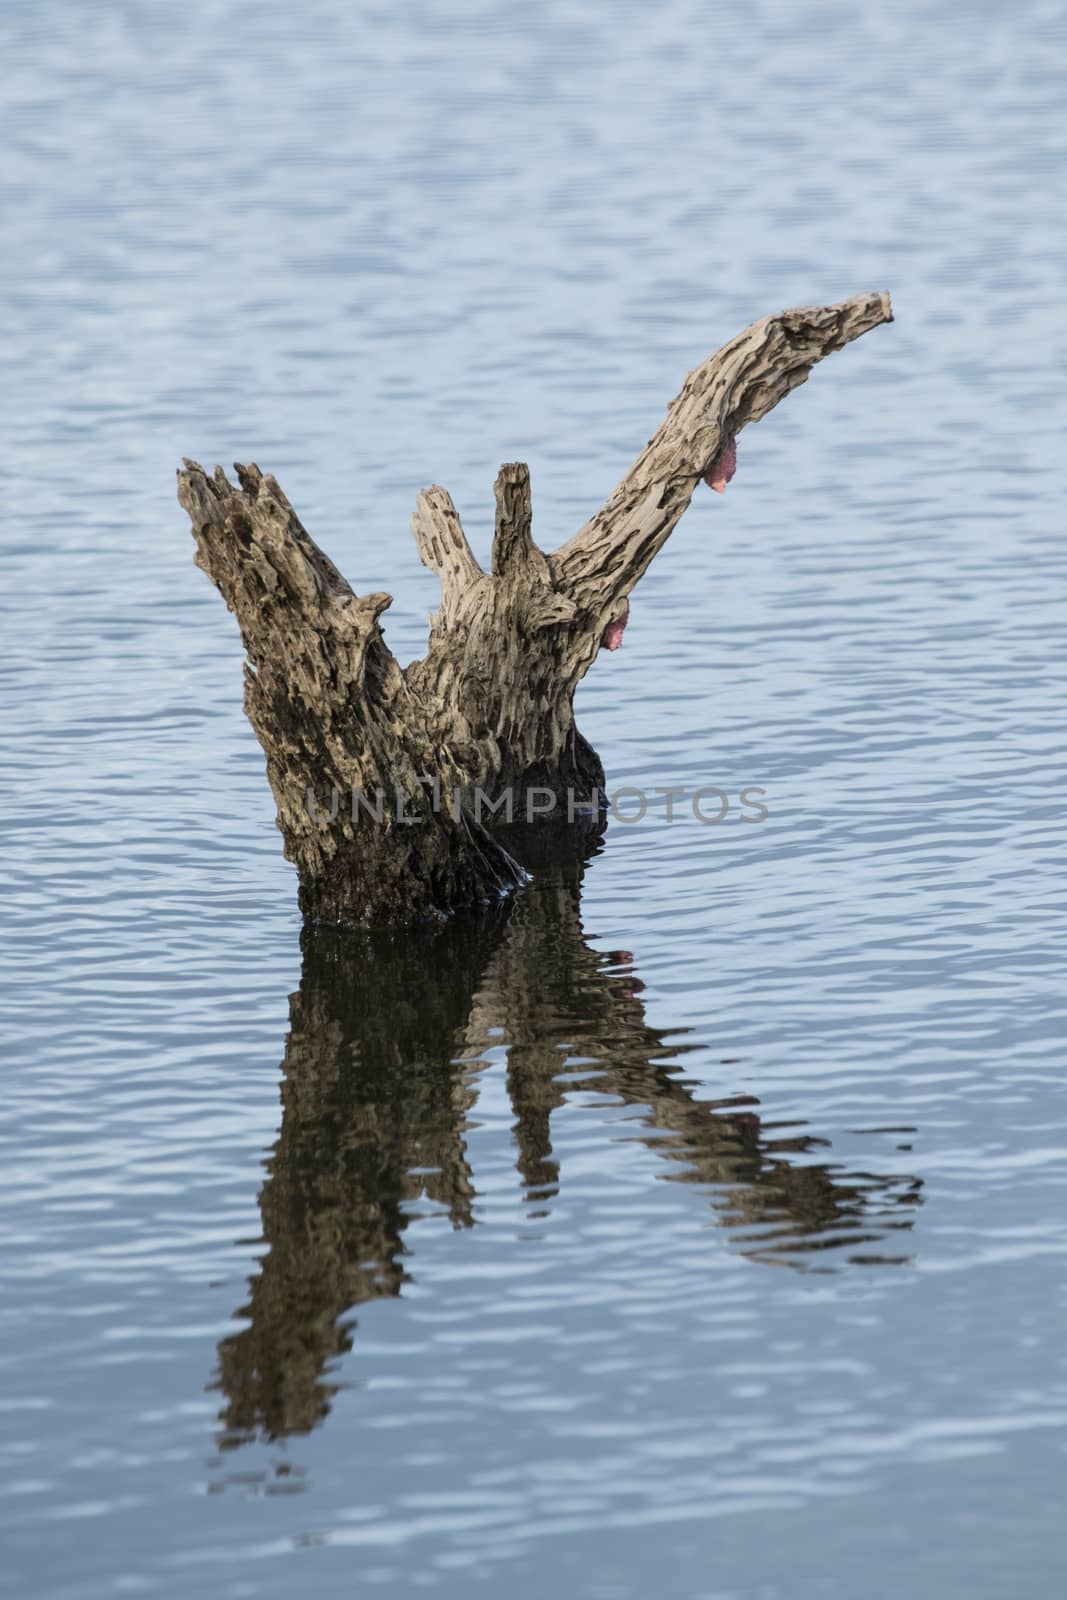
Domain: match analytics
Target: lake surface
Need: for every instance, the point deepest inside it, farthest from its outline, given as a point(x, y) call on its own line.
point(697, 1224)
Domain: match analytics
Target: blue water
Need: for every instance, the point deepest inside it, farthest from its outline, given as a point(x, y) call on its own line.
point(696, 1228)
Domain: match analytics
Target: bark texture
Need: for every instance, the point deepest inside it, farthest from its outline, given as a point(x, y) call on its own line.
point(490, 706)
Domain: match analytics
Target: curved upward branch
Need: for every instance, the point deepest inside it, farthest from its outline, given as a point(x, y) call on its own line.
point(739, 384)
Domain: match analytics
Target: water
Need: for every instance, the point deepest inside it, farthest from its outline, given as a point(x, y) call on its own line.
point(696, 1226)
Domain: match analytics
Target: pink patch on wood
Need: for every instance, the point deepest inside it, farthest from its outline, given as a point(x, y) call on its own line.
point(612, 637)
point(723, 468)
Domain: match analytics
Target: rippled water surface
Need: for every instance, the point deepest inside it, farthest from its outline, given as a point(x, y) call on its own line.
point(696, 1225)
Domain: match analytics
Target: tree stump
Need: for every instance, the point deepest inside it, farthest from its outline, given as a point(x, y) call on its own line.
point(386, 779)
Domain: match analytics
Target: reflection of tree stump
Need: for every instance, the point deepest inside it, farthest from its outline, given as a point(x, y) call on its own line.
point(373, 1115)
point(379, 1080)
point(491, 704)
point(548, 996)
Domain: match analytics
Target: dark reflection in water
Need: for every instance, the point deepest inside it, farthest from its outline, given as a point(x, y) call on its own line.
point(380, 1071)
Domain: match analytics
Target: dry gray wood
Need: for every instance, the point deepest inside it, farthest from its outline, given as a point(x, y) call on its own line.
point(490, 706)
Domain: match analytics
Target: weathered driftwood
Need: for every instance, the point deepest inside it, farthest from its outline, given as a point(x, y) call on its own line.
point(490, 706)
